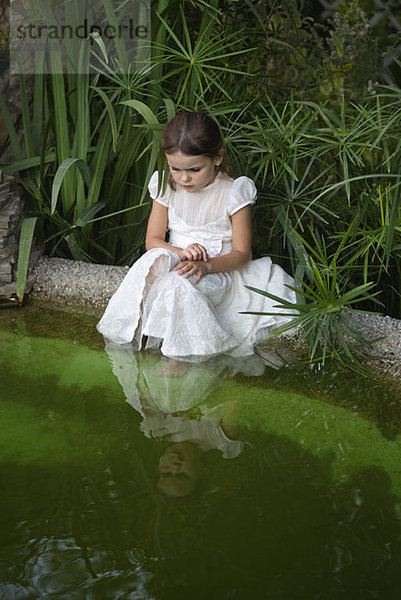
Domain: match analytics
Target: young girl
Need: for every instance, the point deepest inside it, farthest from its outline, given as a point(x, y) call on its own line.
point(185, 295)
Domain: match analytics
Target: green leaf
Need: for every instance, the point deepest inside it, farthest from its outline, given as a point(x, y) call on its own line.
point(92, 211)
point(112, 114)
point(27, 163)
point(144, 110)
point(97, 38)
point(25, 244)
point(61, 173)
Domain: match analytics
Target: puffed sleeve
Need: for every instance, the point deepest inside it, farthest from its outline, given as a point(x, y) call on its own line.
point(155, 194)
point(242, 193)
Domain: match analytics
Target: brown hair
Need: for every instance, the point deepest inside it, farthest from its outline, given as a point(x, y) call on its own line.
point(193, 133)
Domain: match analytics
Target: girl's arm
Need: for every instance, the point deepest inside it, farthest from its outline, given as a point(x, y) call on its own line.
point(238, 257)
point(156, 230)
point(241, 244)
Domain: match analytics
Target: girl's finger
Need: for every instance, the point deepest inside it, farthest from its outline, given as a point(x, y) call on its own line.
point(184, 269)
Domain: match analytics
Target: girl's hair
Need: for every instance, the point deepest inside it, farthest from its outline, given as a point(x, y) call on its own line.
point(193, 133)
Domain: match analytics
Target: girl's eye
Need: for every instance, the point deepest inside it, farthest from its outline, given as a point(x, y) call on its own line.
point(196, 170)
point(183, 476)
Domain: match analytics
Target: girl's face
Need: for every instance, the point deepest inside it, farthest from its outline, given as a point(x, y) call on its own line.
point(179, 469)
point(192, 173)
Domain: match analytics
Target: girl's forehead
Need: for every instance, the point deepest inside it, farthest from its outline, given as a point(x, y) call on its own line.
point(187, 161)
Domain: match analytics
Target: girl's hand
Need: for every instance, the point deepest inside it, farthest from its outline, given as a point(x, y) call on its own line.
point(194, 252)
point(187, 268)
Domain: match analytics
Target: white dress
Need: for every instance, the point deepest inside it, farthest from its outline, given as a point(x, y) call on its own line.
point(190, 321)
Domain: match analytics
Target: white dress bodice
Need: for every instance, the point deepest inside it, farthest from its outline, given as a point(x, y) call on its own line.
point(204, 216)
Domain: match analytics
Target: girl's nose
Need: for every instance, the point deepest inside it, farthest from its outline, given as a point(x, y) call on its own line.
point(186, 176)
point(175, 468)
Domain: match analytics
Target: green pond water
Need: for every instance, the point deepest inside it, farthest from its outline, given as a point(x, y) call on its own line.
point(231, 481)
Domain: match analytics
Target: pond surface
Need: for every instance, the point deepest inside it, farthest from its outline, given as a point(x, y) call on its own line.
point(229, 480)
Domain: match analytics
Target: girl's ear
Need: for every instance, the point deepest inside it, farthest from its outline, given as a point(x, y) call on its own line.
point(219, 157)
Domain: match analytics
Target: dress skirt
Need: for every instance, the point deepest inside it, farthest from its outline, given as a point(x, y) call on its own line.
point(193, 322)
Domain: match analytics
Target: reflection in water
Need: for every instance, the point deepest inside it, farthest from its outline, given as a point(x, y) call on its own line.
point(179, 470)
point(272, 522)
point(143, 379)
point(172, 404)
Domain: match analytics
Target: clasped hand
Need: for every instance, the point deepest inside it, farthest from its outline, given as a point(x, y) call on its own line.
point(193, 262)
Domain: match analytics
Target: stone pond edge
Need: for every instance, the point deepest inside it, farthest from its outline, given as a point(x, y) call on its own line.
point(84, 284)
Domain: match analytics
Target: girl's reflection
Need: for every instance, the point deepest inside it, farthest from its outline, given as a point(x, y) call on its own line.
point(174, 409)
point(179, 469)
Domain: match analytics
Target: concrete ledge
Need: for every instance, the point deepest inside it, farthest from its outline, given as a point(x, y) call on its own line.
point(76, 282)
